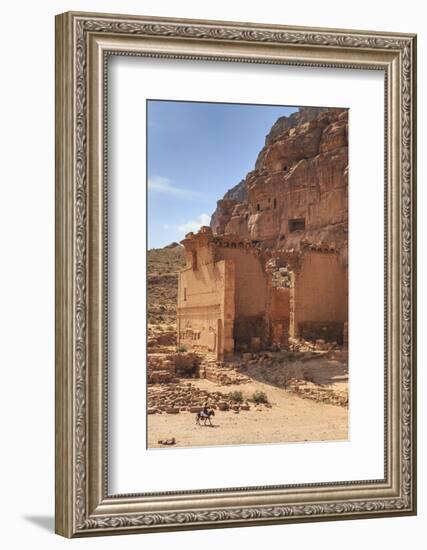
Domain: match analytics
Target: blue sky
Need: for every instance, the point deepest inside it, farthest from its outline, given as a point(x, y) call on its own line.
point(196, 152)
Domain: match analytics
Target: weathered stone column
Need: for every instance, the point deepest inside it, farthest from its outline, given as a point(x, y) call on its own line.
point(178, 312)
point(228, 309)
point(293, 316)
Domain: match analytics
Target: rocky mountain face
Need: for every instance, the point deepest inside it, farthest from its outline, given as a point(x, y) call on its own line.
point(297, 195)
point(162, 280)
point(235, 195)
point(305, 114)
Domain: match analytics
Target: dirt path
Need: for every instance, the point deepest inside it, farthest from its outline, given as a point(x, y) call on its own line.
point(290, 418)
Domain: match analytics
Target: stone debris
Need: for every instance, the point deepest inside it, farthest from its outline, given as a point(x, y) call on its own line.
point(300, 345)
point(173, 410)
point(283, 369)
point(160, 369)
point(161, 339)
point(287, 369)
point(309, 390)
point(164, 368)
point(186, 397)
point(171, 441)
point(222, 373)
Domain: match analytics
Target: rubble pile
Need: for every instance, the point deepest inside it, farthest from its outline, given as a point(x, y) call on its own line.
point(287, 370)
point(164, 368)
point(158, 342)
point(222, 373)
point(186, 397)
point(302, 345)
point(308, 390)
point(171, 441)
point(160, 369)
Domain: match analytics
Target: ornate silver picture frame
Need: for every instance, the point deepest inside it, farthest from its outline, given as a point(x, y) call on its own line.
point(84, 505)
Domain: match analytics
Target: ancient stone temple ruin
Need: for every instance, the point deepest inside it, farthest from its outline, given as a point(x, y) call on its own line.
point(274, 263)
point(222, 294)
point(228, 300)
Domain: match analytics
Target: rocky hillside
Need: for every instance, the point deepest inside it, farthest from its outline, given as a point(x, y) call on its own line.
point(163, 265)
point(233, 196)
point(303, 115)
point(297, 194)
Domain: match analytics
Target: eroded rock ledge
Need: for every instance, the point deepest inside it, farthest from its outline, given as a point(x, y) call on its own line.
point(297, 194)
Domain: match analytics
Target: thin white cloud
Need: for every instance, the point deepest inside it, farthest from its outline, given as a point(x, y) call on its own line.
point(165, 186)
point(194, 225)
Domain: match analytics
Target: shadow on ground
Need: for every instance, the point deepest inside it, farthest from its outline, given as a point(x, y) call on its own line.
point(44, 522)
point(322, 371)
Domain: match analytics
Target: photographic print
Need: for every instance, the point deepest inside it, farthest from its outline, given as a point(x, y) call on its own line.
point(247, 274)
point(218, 283)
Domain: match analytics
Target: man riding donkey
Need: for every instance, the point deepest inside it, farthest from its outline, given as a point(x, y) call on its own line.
point(205, 414)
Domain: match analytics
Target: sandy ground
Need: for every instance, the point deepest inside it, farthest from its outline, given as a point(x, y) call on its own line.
point(290, 418)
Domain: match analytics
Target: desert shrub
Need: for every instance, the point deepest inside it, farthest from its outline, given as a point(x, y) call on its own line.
point(181, 349)
point(236, 396)
point(259, 397)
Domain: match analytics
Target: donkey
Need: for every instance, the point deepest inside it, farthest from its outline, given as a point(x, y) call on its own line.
point(205, 417)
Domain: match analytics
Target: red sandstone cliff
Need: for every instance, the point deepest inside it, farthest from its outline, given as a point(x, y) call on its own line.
point(297, 195)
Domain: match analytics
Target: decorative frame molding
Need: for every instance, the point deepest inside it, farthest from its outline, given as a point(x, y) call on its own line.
point(83, 43)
